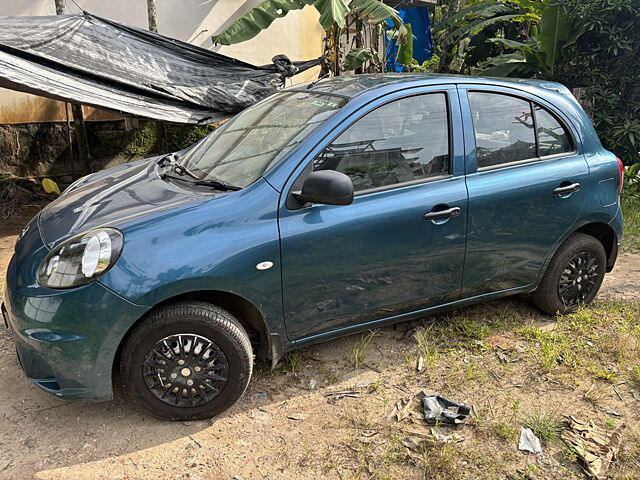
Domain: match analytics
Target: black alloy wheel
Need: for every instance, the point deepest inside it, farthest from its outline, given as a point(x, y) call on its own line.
point(187, 361)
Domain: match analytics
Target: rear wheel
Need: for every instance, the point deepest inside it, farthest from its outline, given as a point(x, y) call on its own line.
point(189, 360)
point(573, 277)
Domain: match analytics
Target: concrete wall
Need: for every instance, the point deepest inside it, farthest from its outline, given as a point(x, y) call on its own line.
point(298, 35)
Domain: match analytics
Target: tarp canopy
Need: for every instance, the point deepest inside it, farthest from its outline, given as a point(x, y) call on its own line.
point(98, 62)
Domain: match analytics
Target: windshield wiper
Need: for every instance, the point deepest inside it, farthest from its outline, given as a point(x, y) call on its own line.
point(172, 159)
point(217, 184)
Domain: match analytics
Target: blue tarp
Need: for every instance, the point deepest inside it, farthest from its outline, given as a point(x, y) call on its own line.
point(418, 17)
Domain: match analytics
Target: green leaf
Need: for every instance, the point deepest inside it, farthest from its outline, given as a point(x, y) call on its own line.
point(470, 28)
point(512, 43)
point(554, 30)
point(482, 10)
point(502, 65)
point(256, 19)
point(332, 12)
point(375, 11)
point(405, 51)
point(357, 57)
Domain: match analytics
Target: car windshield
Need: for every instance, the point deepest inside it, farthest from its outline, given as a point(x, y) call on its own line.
point(240, 151)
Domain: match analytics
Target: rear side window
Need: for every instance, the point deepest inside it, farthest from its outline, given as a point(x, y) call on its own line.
point(402, 141)
point(510, 129)
point(553, 139)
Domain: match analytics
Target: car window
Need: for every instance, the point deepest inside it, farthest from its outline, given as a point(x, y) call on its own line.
point(503, 128)
point(552, 137)
point(246, 146)
point(401, 141)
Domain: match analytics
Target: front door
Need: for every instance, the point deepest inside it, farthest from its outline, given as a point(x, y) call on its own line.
point(527, 184)
point(393, 250)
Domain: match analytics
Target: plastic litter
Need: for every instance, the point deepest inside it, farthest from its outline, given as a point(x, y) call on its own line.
point(438, 409)
point(528, 441)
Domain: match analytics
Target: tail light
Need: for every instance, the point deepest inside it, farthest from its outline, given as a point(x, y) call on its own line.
point(621, 170)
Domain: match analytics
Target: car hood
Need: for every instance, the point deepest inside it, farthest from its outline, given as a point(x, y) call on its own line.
point(113, 197)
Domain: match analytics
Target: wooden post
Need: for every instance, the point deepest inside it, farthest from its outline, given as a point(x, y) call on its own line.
point(161, 126)
point(152, 11)
point(80, 131)
point(59, 7)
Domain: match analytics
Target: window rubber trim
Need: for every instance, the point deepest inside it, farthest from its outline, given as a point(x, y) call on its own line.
point(532, 104)
point(447, 95)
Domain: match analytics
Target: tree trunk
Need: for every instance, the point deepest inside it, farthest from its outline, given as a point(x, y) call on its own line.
point(152, 11)
point(78, 120)
point(59, 7)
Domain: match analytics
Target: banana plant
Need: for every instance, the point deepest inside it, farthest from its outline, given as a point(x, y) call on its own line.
point(473, 19)
point(333, 18)
point(542, 55)
point(468, 30)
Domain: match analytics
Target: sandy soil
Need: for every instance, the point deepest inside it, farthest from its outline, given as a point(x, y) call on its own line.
point(287, 425)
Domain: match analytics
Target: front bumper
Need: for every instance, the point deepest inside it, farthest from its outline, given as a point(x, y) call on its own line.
point(66, 340)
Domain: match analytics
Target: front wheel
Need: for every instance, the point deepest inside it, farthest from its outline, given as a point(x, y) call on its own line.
point(573, 277)
point(187, 361)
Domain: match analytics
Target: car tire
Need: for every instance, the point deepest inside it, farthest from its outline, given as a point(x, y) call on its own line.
point(573, 276)
point(196, 354)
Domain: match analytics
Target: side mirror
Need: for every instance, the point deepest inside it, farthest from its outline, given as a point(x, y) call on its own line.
point(327, 187)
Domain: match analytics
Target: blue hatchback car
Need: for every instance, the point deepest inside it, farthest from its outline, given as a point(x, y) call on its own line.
point(323, 210)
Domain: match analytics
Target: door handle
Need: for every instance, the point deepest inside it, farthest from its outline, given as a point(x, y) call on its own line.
point(442, 214)
point(574, 187)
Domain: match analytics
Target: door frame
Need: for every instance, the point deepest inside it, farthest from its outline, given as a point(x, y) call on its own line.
point(457, 166)
point(456, 141)
point(471, 164)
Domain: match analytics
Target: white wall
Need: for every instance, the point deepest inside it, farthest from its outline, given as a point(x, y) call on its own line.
point(298, 35)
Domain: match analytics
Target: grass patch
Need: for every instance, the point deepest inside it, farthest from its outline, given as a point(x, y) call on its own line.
point(631, 212)
point(358, 348)
point(426, 347)
point(600, 340)
point(546, 426)
point(503, 430)
point(294, 361)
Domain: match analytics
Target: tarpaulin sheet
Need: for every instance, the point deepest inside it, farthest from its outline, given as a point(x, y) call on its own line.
point(98, 62)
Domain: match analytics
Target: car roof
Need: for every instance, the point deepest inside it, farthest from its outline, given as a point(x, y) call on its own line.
point(354, 85)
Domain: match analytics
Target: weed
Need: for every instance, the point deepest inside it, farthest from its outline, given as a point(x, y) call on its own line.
point(440, 463)
point(570, 453)
point(471, 328)
point(610, 423)
point(555, 351)
point(515, 408)
point(359, 348)
point(545, 426)
point(631, 212)
point(426, 347)
point(608, 374)
point(635, 376)
point(294, 361)
point(503, 430)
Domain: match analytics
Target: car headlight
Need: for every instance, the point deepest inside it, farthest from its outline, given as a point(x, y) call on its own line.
point(81, 259)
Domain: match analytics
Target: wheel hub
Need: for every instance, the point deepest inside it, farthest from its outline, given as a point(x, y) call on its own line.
point(578, 279)
point(185, 370)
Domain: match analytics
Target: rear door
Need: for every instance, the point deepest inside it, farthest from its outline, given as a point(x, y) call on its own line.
point(379, 257)
point(527, 180)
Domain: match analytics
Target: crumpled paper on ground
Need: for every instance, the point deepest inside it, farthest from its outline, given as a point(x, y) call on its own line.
point(528, 441)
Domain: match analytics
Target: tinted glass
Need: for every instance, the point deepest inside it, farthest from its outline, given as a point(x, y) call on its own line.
point(242, 149)
point(552, 137)
point(402, 141)
point(503, 128)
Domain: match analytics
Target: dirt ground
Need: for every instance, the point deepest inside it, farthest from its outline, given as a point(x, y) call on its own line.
point(294, 423)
